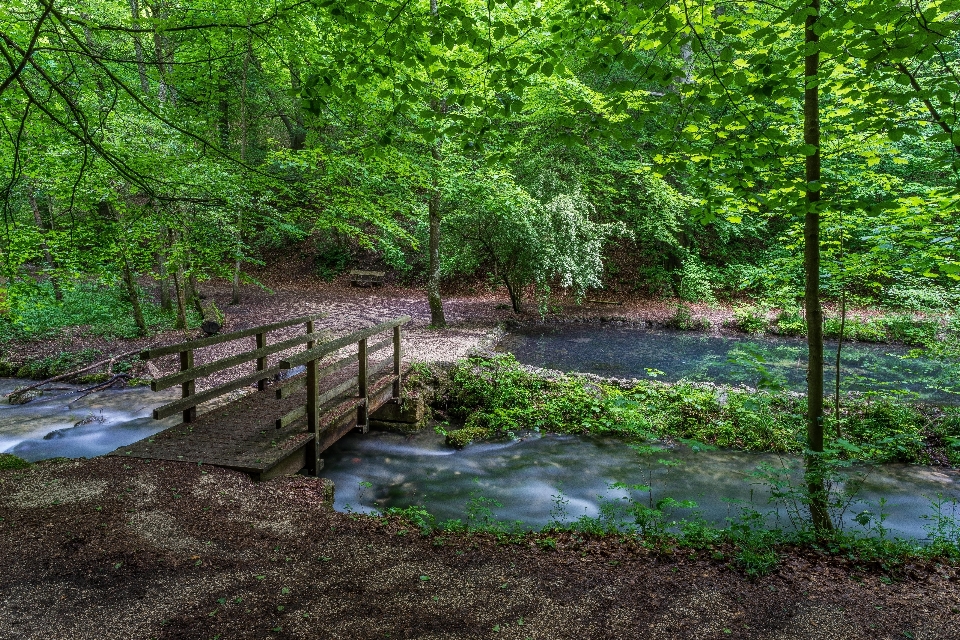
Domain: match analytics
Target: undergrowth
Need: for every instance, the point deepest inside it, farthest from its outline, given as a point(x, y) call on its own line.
point(32, 311)
point(495, 396)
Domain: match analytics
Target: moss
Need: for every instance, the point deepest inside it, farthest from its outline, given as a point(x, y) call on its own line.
point(8, 461)
point(464, 436)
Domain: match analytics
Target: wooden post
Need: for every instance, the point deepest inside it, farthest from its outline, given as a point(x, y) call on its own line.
point(314, 463)
point(261, 362)
point(362, 422)
point(189, 387)
point(396, 361)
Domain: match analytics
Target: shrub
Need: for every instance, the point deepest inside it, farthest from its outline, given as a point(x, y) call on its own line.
point(498, 397)
point(912, 331)
point(750, 319)
point(791, 322)
point(695, 282)
point(8, 461)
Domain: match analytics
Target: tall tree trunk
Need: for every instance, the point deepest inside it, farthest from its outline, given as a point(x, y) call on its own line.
point(433, 208)
point(815, 465)
point(437, 318)
point(138, 49)
point(298, 133)
point(131, 285)
point(193, 293)
point(235, 294)
point(179, 287)
point(48, 258)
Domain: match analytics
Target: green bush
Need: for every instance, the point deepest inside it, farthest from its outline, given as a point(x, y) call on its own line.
point(862, 330)
point(55, 365)
point(683, 320)
point(101, 308)
point(9, 461)
point(695, 282)
point(912, 331)
point(750, 319)
point(331, 260)
point(791, 322)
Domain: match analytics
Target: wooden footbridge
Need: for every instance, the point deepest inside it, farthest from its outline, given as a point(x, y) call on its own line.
point(290, 420)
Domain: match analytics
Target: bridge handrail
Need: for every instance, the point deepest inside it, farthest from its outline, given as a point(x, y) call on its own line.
point(335, 345)
point(188, 373)
point(151, 354)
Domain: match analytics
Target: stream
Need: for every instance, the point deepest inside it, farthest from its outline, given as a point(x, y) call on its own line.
point(538, 479)
point(61, 424)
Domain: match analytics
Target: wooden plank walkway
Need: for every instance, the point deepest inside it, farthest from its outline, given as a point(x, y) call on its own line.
point(267, 433)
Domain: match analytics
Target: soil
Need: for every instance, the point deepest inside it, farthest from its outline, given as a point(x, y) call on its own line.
point(113, 548)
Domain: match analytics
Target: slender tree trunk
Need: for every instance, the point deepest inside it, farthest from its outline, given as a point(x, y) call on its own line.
point(815, 472)
point(843, 329)
point(138, 49)
point(179, 288)
point(514, 292)
point(193, 293)
point(836, 382)
point(131, 286)
point(244, 120)
point(433, 208)
point(48, 258)
point(166, 302)
point(437, 318)
point(298, 135)
point(235, 297)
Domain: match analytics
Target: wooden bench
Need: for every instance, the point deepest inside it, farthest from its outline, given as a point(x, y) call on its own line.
point(366, 278)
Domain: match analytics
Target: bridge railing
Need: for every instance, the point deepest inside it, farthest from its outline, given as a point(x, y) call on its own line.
point(189, 373)
point(324, 409)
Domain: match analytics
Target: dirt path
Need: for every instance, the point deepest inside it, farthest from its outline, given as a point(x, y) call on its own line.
point(127, 549)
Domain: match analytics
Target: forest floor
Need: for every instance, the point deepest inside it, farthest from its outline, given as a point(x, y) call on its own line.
point(113, 548)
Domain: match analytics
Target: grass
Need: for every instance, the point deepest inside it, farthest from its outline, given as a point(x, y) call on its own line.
point(495, 397)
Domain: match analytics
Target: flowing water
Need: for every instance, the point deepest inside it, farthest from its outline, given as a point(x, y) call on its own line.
point(60, 423)
point(543, 478)
point(756, 362)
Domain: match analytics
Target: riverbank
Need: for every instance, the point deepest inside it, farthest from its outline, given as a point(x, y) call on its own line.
point(110, 548)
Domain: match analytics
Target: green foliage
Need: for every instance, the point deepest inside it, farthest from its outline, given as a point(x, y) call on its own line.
point(790, 322)
point(55, 365)
point(9, 462)
point(497, 397)
point(683, 320)
point(98, 308)
point(695, 282)
point(331, 260)
point(751, 319)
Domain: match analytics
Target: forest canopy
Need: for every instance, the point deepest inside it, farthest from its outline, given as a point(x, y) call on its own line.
point(654, 146)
